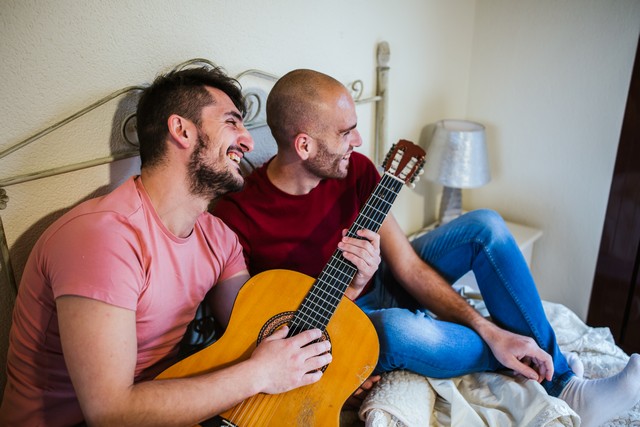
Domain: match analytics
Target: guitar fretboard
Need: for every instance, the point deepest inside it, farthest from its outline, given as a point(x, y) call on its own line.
point(325, 295)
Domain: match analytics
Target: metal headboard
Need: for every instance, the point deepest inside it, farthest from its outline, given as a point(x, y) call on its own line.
point(253, 120)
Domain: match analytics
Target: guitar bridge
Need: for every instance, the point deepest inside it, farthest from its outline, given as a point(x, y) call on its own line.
point(217, 421)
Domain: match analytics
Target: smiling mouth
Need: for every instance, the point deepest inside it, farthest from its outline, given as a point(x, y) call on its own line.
point(235, 157)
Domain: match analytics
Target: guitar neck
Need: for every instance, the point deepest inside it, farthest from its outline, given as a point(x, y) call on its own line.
point(323, 299)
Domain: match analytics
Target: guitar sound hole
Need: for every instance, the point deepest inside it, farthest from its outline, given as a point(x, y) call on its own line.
point(283, 319)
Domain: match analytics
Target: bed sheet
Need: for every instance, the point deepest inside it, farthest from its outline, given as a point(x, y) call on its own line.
point(403, 399)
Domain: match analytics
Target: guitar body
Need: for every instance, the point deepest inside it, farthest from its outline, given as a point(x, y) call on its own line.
point(263, 304)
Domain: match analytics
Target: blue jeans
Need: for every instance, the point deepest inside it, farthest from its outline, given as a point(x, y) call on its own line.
point(410, 338)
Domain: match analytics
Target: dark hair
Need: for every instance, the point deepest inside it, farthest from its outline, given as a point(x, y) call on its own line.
point(180, 92)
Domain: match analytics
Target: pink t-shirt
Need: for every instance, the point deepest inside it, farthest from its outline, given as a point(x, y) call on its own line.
point(113, 249)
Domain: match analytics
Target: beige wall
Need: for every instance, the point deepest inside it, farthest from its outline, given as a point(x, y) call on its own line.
point(548, 78)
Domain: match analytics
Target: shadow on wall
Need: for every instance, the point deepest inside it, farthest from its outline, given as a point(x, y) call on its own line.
point(431, 191)
point(19, 251)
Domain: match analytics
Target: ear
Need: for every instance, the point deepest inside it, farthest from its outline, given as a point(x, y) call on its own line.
point(302, 143)
point(181, 130)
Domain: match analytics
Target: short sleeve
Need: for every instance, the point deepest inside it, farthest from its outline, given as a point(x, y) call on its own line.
point(98, 256)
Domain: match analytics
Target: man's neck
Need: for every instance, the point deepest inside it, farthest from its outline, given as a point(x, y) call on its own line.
point(175, 206)
point(290, 176)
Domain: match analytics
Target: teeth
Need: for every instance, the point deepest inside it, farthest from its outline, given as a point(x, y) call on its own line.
point(233, 156)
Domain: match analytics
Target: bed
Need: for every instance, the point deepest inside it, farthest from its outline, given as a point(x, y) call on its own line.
point(401, 398)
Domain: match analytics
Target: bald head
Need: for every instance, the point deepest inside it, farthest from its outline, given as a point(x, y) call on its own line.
point(297, 101)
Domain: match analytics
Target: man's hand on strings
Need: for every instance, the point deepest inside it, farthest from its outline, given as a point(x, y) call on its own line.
point(364, 253)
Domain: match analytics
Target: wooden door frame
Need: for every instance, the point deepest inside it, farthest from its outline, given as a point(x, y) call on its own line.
point(615, 296)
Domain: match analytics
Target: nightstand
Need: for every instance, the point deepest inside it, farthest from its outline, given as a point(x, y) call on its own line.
point(525, 237)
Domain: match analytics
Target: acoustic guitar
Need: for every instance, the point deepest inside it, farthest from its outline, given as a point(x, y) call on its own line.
point(275, 298)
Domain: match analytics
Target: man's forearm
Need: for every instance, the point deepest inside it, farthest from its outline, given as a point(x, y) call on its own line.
point(179, 402)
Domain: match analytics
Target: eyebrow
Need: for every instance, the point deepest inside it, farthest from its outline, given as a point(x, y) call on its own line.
point(348, 129)
point(234, 114)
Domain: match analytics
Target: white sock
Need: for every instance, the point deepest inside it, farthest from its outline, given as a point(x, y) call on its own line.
point(575, 363)
point(599, 400)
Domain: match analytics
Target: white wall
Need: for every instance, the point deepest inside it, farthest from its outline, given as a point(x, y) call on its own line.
point(550, 80)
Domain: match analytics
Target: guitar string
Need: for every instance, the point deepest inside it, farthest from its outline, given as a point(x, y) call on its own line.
point(238, 412)
point(256, 410)
point(374, 223)
point(373, 216)
point(246, 410)
point(275, 403)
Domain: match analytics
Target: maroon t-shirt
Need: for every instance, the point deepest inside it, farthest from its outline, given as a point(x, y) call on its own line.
point(300, 233)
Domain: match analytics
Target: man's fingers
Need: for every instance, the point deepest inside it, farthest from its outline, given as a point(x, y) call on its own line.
point(318, 362)
point(305, 337)
point(311, 377)
point(525, 370)
point(534, 368)
point(317, 348)
point(279, 333)
point(543, 362)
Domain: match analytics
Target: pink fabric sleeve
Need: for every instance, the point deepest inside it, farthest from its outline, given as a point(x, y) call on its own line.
point(106, 266)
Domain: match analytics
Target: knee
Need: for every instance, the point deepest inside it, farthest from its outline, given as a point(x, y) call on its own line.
point(388, 336)
point(396, 329)
point(491, 223)
point(487, 217)
point(389, 323)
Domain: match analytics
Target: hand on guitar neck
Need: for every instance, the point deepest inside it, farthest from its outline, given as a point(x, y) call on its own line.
point(364, 253)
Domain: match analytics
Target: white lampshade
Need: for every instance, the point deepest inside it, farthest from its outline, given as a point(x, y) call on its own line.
point(457, 156)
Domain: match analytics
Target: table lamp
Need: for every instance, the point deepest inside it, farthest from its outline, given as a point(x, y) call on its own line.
point(456, 158)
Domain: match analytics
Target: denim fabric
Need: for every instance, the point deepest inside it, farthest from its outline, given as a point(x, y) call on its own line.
point(411, 338)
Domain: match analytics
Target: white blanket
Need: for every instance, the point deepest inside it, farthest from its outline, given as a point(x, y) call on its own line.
point(403, 399)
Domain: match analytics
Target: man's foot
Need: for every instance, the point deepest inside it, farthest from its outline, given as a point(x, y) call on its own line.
point(575, 364)
point(597, 401)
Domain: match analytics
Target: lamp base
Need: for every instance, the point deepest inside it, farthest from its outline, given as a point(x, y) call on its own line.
point(450, 205)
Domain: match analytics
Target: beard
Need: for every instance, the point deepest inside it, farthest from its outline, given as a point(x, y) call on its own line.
point(208, 179)
point(326, 165)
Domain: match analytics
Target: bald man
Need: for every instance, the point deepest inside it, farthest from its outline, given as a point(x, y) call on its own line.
point(291, 215)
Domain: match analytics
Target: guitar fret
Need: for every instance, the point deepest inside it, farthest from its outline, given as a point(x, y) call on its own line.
point(319, 314)
point(317, 309)
point(322, 300)
point(327, 296)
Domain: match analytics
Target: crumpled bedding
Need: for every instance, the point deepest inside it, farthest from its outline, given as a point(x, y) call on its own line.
point(404, 399)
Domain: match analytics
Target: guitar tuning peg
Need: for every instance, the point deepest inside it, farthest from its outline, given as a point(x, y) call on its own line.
point(412, 185)
point(421, 172)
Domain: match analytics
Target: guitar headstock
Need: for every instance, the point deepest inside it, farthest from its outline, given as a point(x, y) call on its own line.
point(404, 161)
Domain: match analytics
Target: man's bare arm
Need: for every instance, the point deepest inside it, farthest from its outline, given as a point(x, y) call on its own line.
point(100, 348)
point(433, 292)
point(223, 295)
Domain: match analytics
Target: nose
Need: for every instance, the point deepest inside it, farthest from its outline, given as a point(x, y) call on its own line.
point(245, 140)
point(356, 139)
